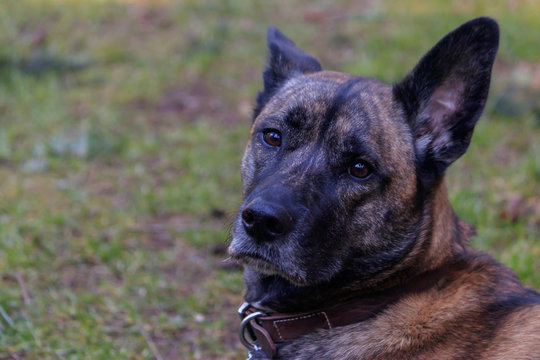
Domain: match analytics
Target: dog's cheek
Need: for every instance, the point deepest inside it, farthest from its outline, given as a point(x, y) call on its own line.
point(325, 249)
point(326, 267)
point(328, 237)
point(357, 214)
point(371, 223)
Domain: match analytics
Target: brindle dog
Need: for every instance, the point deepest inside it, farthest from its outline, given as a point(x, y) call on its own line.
point(346, 212)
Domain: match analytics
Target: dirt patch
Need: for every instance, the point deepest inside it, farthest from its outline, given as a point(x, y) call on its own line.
point(159, 232)
point(516, 207)
point(188, 103)
point(87, 276)
point(504, 154)
point(8, 164)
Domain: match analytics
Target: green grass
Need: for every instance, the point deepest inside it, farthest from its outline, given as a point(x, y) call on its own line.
point(119, 181)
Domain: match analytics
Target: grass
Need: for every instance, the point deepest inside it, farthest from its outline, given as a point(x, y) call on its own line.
point(121, 130)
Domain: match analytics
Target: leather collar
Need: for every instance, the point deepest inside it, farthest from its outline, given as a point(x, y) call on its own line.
point(260, 330)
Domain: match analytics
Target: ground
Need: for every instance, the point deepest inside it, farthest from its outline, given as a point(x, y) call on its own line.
point(122, 125)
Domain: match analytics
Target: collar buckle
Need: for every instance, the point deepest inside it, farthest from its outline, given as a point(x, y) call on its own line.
point(247, 329)
point(252, 334)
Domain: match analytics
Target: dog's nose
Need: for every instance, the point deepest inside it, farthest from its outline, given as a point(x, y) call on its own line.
point(265, 221)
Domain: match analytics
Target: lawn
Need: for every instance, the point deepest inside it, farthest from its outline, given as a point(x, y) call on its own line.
point(122, 125)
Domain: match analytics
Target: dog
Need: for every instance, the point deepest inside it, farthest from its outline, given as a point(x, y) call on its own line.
point(350, 246)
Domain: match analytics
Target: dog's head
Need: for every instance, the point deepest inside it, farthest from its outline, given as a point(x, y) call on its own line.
point(338, 167)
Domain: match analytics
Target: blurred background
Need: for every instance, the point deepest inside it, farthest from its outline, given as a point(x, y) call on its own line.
point(122, 125)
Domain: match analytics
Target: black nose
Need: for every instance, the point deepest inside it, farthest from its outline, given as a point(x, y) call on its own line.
point(265, 221)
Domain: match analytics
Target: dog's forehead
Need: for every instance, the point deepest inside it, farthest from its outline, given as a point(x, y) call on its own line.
point(343, 106)
point(308, 93)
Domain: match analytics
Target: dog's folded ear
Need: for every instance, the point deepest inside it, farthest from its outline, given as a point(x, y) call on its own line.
point(445, 93)
point(285, 61)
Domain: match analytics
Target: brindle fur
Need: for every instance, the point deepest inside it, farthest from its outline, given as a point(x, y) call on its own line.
point(345, 237)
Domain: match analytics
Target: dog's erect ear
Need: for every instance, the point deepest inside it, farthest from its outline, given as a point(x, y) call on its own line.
point(285, 61)
point(444, 95)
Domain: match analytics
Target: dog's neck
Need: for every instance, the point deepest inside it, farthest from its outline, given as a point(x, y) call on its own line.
point(441, 237)
point(444, 236)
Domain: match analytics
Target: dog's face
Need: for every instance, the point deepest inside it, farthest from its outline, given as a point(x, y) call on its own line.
point(338, 167)
point(328, 173)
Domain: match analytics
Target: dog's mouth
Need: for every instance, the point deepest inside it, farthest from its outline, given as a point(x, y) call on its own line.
point(266, 266)
point(267, 258)
point(247, 251)
point(258, 262)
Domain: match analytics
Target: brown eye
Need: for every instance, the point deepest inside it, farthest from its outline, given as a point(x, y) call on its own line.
point(360, 170)
point(272, 137)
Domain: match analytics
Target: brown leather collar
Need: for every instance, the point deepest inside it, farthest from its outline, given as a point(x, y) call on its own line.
point(265, 330)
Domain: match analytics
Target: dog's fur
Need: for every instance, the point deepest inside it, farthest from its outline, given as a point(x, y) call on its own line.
point(310, 234)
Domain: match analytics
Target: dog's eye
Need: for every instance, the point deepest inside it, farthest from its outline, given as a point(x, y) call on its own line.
point(360, 170)
point(272, 137)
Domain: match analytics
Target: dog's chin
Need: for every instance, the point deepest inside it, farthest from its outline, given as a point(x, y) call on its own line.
point(266, 267)
point(267, 260)
point(259, 265)
point(271, 269)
